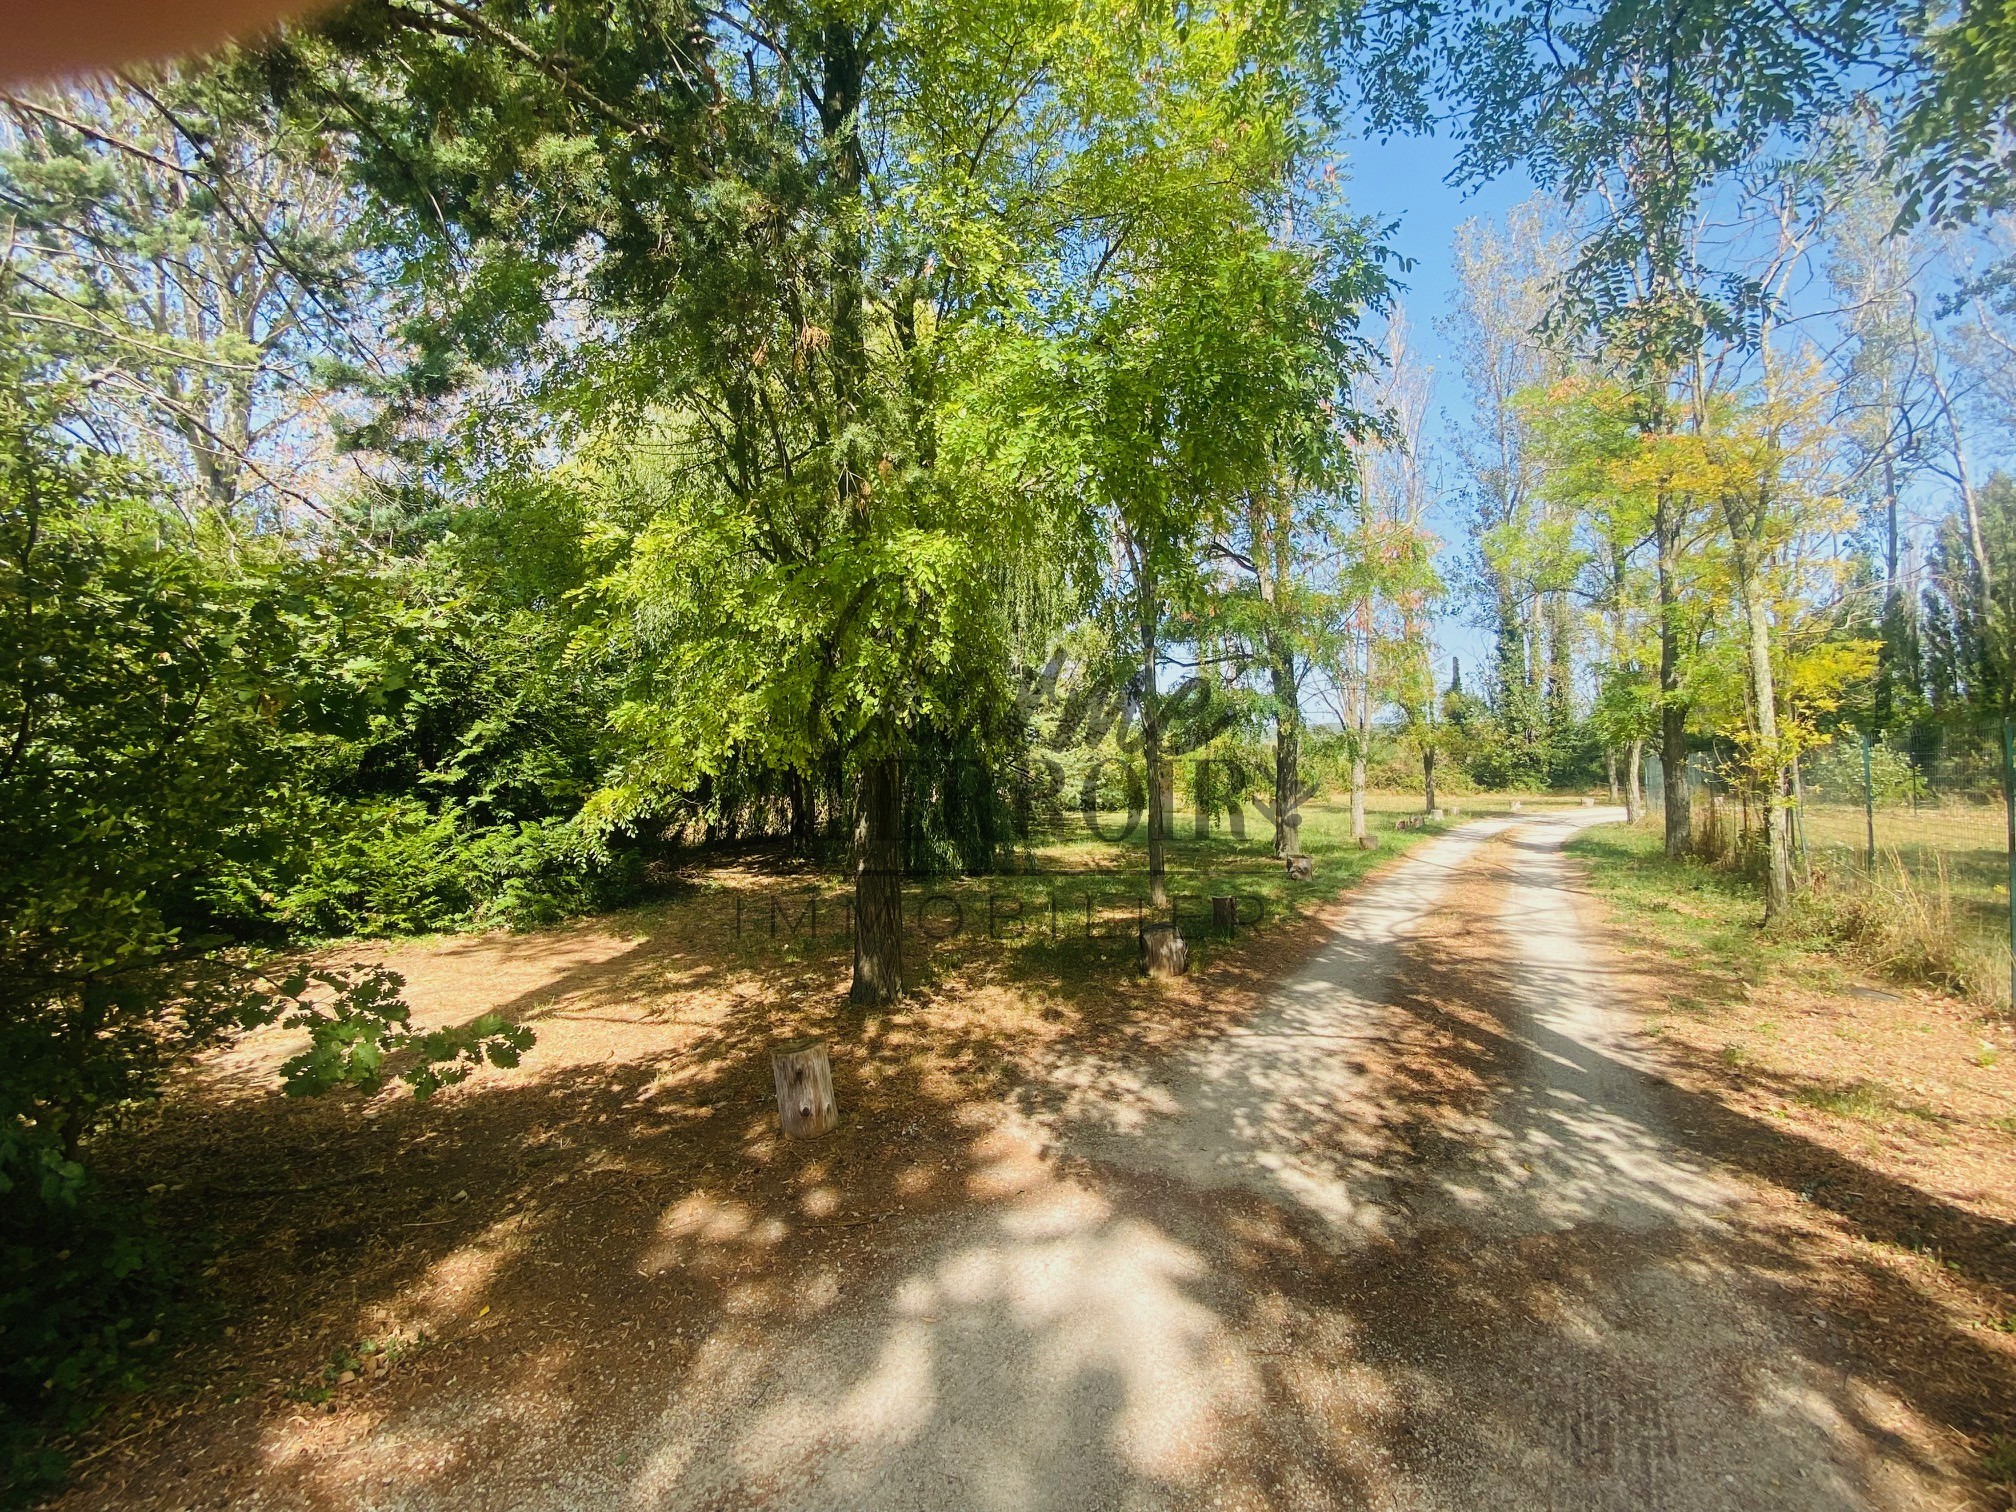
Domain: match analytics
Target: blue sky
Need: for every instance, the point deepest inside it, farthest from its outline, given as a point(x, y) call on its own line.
point(1403, 180)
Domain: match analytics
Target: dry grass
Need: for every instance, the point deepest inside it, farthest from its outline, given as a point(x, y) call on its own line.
point(1903, 920)
point(1913, 1085)
point(1934, 908)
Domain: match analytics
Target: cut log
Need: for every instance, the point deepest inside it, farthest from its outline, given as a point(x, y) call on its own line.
point(1163, 952)
point(1224, 917)
point(1301, 868)
point(805, 1089)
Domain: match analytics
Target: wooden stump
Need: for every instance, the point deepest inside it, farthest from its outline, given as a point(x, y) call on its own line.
point(1225, 917)
point(1300, 868)
point(1368, 841)
point(805, 1089)
point(1163, 952)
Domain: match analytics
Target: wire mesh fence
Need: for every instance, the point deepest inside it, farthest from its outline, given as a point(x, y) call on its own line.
point(1900, 840)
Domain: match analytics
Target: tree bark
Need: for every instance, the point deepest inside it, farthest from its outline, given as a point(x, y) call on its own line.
point(1287, 740)
point(1225, 917)
point(1610, 764)
point(878, 884)
point(1763, 686)
point(1634, 797)
point(804, 1078)
point(1163, 951)
point(878, 804)
point(1428, 779)
point(1672, 713)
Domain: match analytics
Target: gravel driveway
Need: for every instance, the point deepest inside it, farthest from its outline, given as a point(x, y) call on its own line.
point(1425, 1232)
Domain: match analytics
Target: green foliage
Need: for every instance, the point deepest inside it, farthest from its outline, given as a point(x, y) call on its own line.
point(83, 1285)
point(1953, 141)
point(1970, 626)
point(358, 1024)
point(164, 706)
point(1834, 773)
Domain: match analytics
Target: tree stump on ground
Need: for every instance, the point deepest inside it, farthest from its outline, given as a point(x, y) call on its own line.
point(1163, 953)
point(1515, 805)
point(1300, 868)
point(1368, 841)
point(805, 1089)
point(1588, 803)
point(1225, 917)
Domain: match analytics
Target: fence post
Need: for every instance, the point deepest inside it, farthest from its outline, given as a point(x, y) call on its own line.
point(1869, 804)
point(2009, 820)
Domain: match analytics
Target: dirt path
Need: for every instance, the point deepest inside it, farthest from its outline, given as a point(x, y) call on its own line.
point(1424, 1232)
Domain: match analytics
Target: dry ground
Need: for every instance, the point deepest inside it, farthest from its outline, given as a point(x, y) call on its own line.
point(499, 1271)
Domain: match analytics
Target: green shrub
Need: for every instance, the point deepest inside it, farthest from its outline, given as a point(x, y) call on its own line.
point(1833, 773)
point(84, 1284)
point(387, 866)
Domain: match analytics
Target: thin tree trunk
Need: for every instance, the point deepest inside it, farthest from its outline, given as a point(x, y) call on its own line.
point(1428, 779)
point(1610, 763)
point(1778, 864)
point(1888, 654)
point(1363, 742)
point(1672, 713)
point(878, 792)
point(1634, 797)
point(1970, 504)
point(1287, 740)
point(878, 884)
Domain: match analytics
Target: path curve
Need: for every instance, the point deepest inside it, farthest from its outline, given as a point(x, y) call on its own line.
point(1272, 1272)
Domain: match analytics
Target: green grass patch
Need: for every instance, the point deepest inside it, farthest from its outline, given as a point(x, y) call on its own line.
point(1868, 1101)
point(1699, 913)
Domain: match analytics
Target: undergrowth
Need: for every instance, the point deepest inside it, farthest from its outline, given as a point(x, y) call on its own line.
point(1897, 920)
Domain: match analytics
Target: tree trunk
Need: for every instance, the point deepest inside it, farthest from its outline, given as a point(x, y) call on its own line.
point(878, 884)
point(1428, 779)
point(1225, 917)
point(1163, 951)
point(804, 1078)
point(878, 793)
point(1610, 763)
point(1889, 651)
point(1362, 744)
point(1287, 740)
point(1672, 713)
point(1778, 859)
point(1634, 797)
